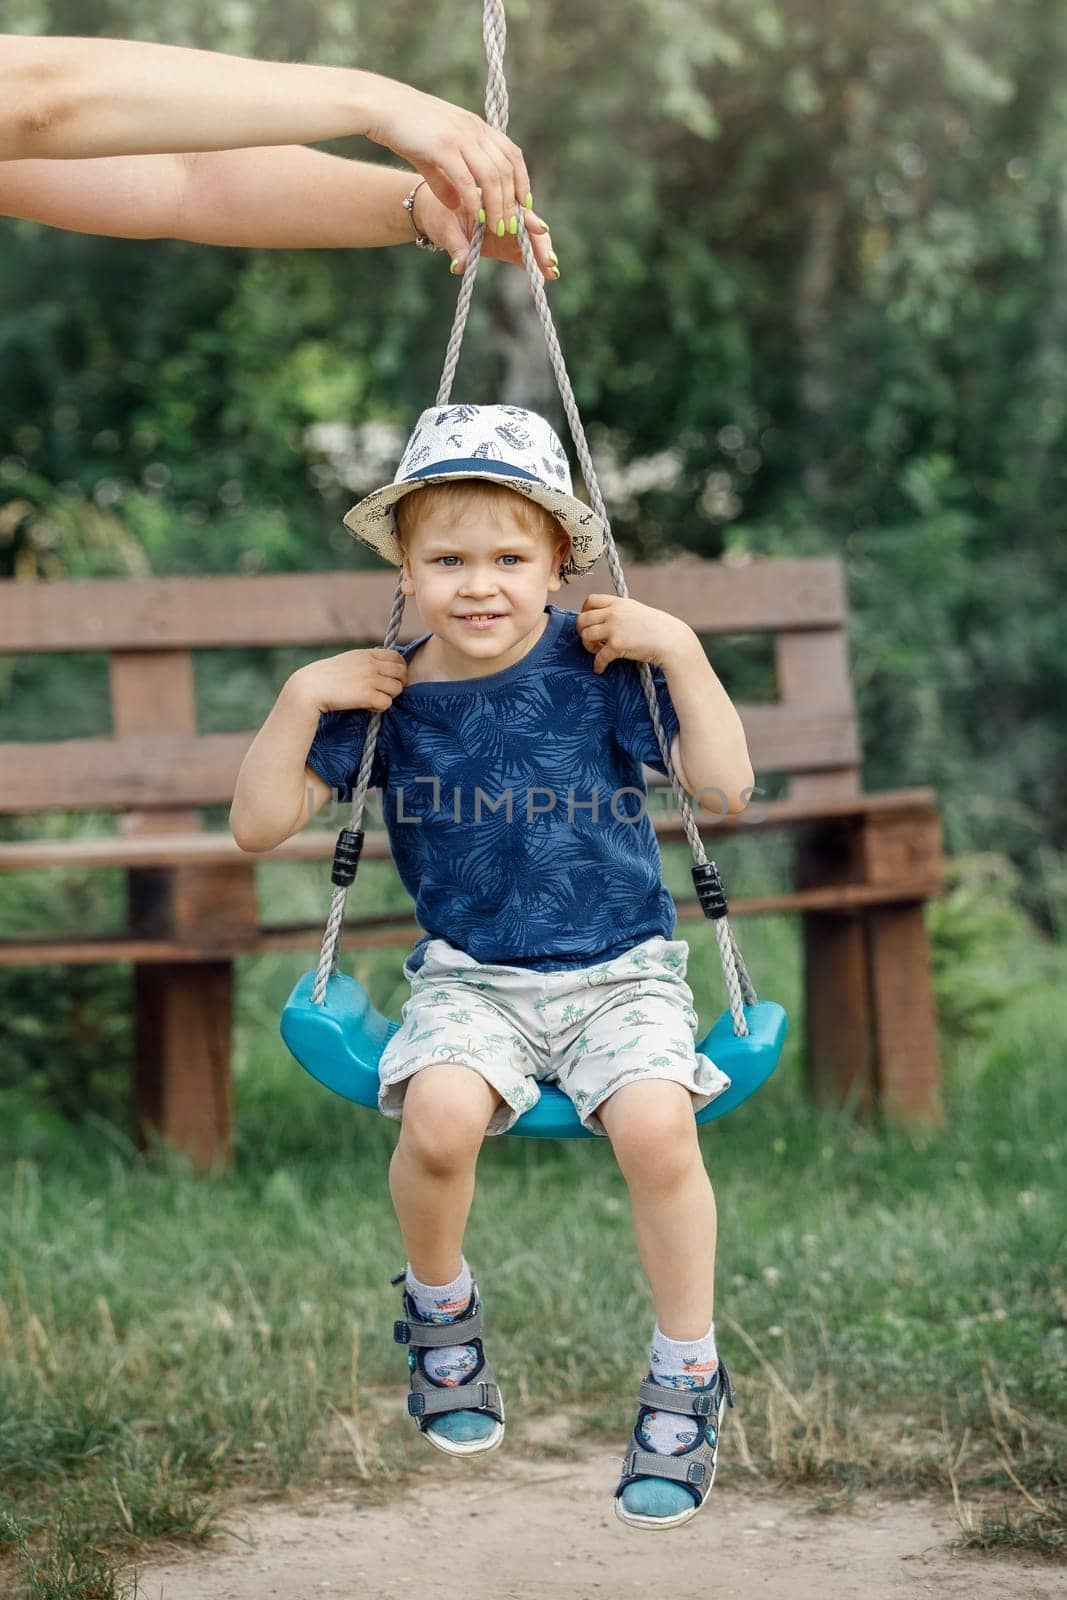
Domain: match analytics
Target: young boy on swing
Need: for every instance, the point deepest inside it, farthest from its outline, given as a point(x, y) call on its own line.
point(509, 766)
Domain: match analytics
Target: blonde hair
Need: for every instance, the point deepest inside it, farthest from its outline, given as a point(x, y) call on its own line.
point(475, 495)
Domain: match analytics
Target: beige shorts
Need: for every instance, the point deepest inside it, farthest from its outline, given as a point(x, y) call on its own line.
point(589, 1029)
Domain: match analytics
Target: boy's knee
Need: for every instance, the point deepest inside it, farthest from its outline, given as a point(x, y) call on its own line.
point(446, 1110)
point(652, 1129)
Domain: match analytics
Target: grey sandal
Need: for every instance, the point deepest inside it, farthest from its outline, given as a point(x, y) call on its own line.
point(694, 1467)
point(483, 1428)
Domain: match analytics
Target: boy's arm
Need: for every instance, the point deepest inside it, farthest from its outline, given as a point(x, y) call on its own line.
point(271, 798)
point(711, 740)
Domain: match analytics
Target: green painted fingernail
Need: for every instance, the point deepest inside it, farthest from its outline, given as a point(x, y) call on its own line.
point(455, 267)
point(481, 213)
point(500, 229)
point(513, 225)
point(528, 202)
point(554, 258)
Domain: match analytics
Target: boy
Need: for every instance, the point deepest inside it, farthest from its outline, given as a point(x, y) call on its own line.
point(509, 769)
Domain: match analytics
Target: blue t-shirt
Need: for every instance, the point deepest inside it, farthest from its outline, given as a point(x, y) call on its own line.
point(555, 884)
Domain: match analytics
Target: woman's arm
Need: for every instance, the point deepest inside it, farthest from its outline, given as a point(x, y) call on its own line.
point(70, 98)
point(288, 198)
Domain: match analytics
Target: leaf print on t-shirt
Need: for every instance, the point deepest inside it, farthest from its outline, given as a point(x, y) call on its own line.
point(633, 724)
point(548, 885)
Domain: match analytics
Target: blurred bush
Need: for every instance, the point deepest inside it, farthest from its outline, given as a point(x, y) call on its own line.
point(805, 310)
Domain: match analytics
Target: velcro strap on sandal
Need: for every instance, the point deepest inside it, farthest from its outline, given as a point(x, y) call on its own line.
point(688, 1402)
point(683, 1469)
point(477, 1396)
point(429, 1334)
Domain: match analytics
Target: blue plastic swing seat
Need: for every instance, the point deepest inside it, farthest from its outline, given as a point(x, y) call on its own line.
point(340, 1043)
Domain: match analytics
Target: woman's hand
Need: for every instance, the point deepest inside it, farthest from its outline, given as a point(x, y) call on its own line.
point(466, 163)
point(356, 680)
point(453, 231)
point(611, 627)
point(86, 99)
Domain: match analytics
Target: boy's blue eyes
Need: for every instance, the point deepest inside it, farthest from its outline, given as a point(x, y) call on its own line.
point(456, 558)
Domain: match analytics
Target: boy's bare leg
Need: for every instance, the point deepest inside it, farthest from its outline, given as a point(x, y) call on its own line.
point(654, 1135)
point(447, 1108)
point(653, 1132)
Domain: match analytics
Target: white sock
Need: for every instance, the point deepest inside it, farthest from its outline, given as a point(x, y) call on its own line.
point(451, 1364)
point(678, 1364)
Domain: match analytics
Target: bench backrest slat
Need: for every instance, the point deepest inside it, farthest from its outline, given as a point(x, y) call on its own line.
point(812, 671)
point(157, 771)
point(150, 770)
point(353, 607)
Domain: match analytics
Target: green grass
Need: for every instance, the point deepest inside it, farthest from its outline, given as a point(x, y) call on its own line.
point(891, 1303)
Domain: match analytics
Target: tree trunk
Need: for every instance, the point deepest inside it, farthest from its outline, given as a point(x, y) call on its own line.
point(527, 378)
point(813, 286)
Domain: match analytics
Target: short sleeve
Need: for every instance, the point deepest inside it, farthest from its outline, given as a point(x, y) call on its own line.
point(337, 750)
point(633, 725)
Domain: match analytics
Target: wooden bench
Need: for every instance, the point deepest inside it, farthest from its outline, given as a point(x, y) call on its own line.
point(863, 863)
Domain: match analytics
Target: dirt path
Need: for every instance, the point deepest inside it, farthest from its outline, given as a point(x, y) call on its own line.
point(513, 1529)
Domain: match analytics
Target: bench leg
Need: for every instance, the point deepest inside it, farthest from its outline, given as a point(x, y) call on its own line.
point(905, 1023)
point(871, 1033)
point(182, 1084)
point(839, 1037)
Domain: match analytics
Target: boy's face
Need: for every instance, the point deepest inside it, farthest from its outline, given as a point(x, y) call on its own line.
point(482, 561)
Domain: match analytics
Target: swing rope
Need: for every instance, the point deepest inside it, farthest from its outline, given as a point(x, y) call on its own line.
point(705, 873)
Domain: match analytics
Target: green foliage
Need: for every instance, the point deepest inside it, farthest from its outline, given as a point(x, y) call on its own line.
point(828, 306)
point(68, 1038)
point(970, 927)
point(812, 301)
point(67, 1030)
point(805, 309)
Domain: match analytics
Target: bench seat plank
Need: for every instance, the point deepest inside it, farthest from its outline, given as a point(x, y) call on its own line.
point(372, 932)
point(316, 843)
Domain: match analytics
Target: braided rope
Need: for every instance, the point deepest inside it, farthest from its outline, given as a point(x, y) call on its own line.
point(738, 983)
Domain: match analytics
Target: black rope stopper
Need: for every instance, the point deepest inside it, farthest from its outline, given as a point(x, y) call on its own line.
point(710, 892)
point(346, 857)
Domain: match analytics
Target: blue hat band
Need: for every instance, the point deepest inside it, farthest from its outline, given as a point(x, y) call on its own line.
point(466, 464)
